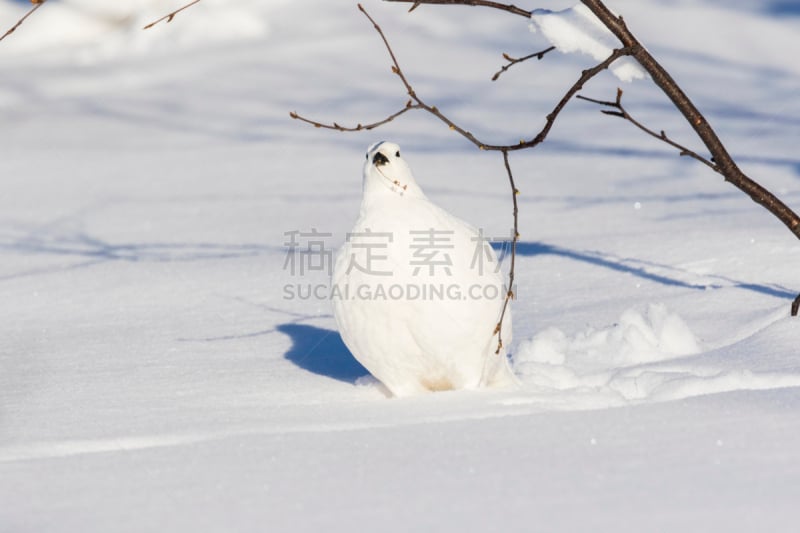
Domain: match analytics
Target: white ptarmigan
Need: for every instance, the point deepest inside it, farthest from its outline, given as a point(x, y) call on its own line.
point(417, 292)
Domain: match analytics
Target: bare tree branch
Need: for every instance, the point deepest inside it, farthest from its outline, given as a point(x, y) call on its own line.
point(37, 5)
point(168, 17)
point(485, 3)
point(418, 103)
point(722, 159)
point(622, 113)
point(358, 127)
point(513, 61)
point(415, 103)
point(510, 292)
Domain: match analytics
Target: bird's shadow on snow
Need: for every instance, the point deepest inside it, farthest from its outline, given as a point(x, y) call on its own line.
point(321, 351)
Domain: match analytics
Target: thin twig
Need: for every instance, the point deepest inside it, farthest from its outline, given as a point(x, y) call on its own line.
point(513, 61)
point(484, 3)
point(622, 113)
point(37, 5)
point(358, 127)
point(510, 291)
point(416, 101)
point(168, 17)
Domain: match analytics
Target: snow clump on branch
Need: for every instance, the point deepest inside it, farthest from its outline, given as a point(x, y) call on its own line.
point(578, 30)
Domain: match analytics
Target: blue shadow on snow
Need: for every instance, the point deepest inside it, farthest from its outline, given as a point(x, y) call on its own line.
point(783, 7)
point(321, 351)
point(540, 248)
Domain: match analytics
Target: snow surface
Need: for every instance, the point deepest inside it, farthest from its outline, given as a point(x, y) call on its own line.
point(161, 368)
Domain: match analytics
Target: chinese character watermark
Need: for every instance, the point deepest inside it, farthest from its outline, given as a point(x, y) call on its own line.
point(427, 245)
point(369, 241)
point(430, 255)
point(307, 252)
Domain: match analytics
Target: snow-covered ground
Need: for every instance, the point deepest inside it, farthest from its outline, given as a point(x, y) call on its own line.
point(164, 368)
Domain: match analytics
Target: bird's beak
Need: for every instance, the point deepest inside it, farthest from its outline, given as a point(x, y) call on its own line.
point(379, 159)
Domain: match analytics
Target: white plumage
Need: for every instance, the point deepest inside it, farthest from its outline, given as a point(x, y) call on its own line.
point(416, 291)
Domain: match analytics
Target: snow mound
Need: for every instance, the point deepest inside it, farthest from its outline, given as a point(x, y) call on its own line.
point(643, 357)
point(636, 338)
point(578, 30)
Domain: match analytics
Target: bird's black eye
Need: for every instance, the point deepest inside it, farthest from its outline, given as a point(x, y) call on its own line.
point(397, 154)
point(367, 157)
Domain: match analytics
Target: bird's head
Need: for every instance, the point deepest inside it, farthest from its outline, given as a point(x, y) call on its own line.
point(385, 170)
